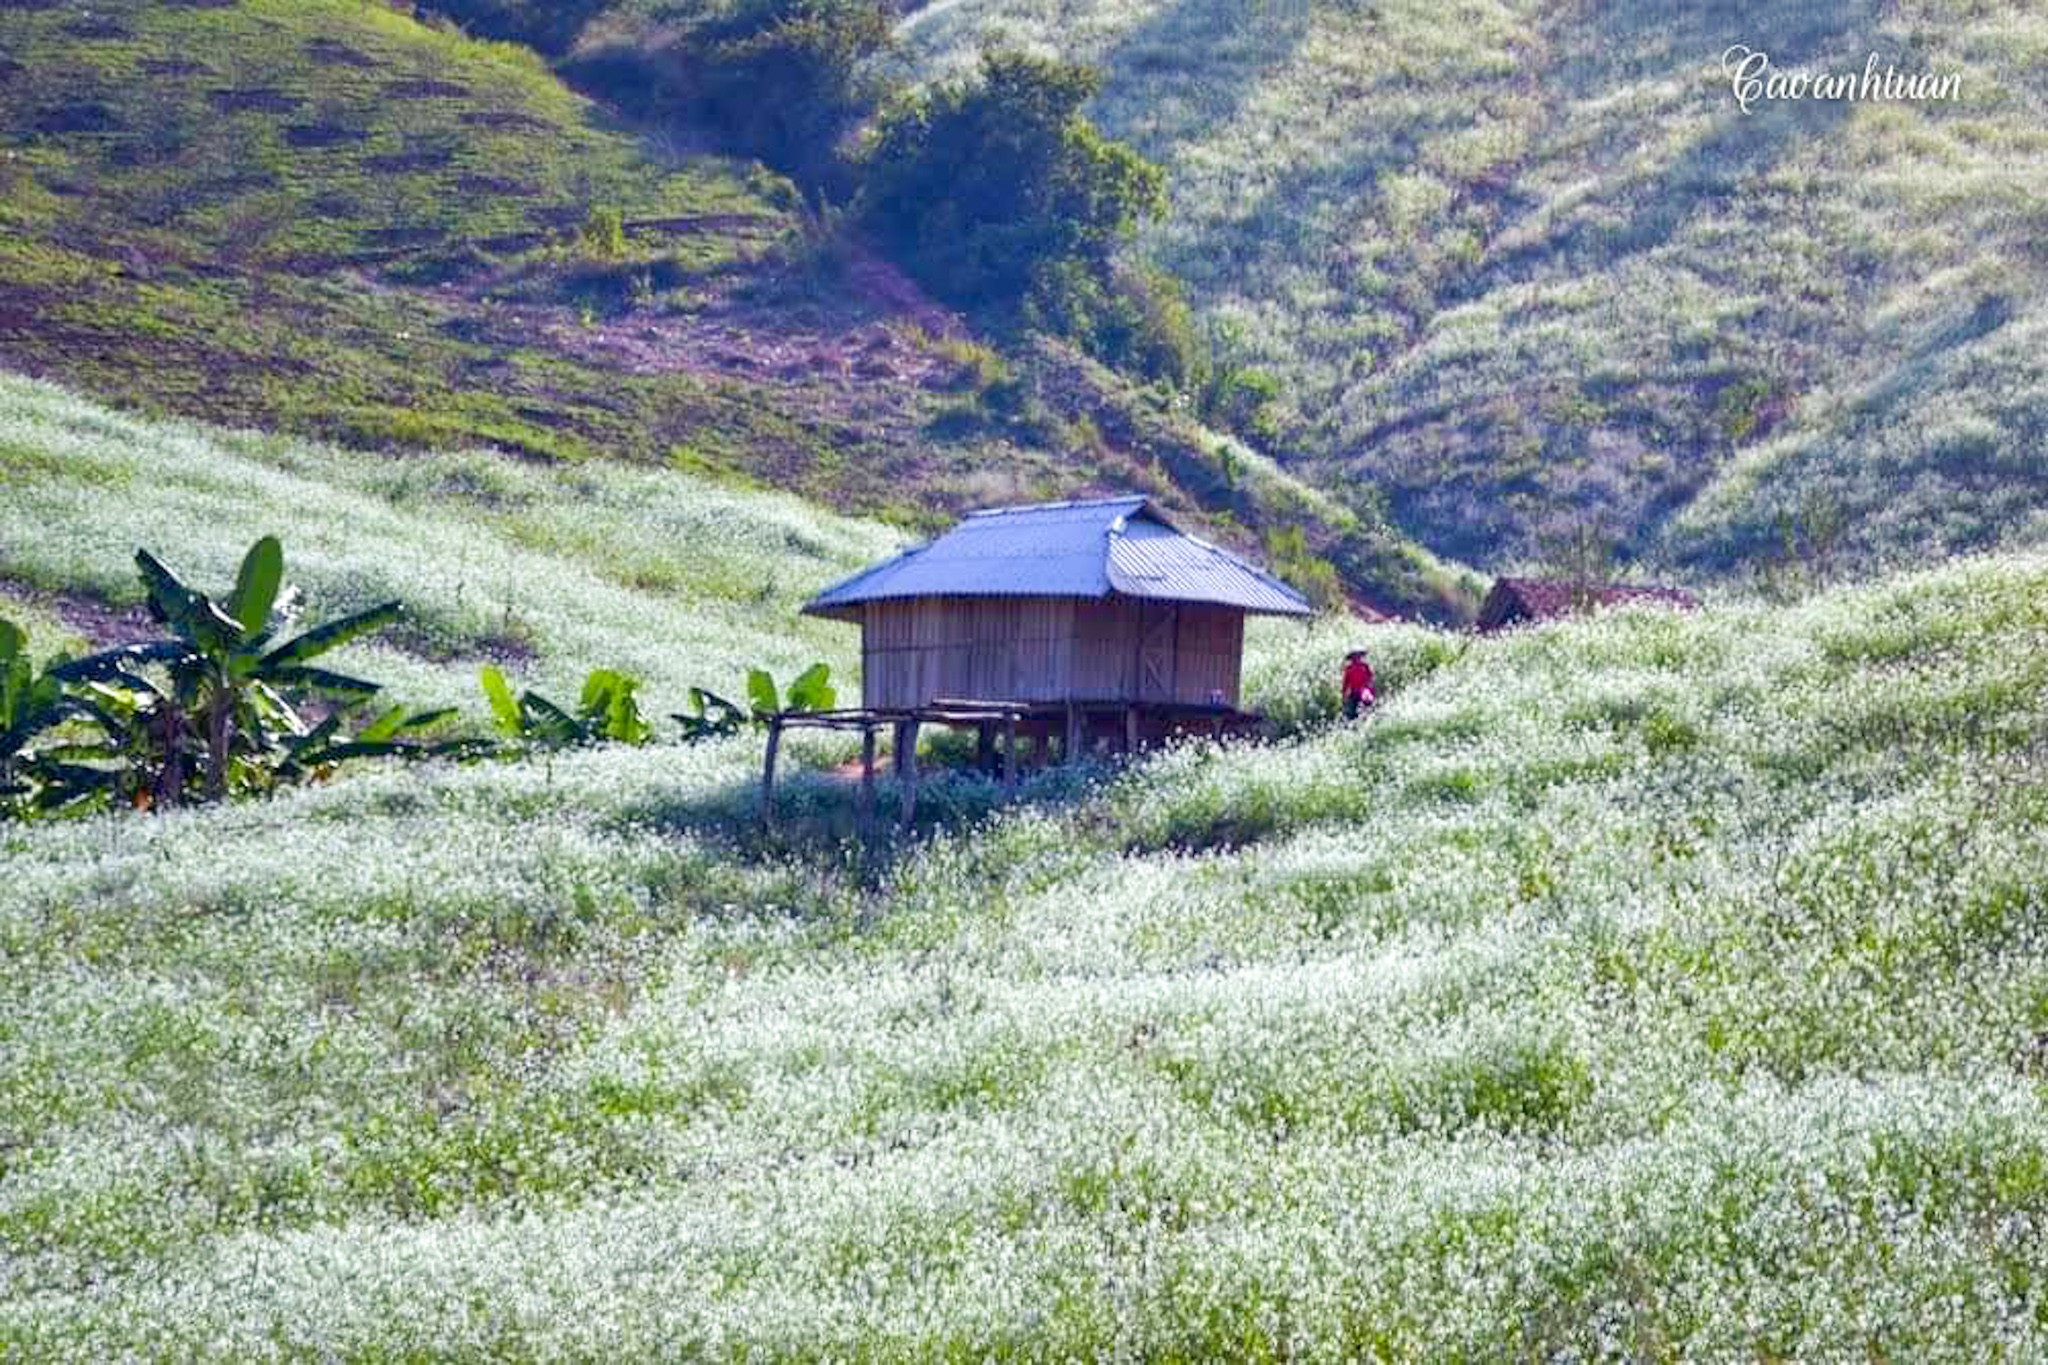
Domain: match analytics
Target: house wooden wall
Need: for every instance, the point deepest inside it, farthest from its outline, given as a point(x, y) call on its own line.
point(1049, 649)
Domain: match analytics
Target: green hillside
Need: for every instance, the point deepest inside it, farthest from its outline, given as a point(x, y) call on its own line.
point(1530, 264)
point(1649, 986)
point(331, 218)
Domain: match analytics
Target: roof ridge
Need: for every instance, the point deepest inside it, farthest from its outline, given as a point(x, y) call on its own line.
point(1064, 506)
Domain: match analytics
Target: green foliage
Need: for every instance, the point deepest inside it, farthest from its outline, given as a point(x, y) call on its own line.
point(551, 26)
point(607, 712)
point(783, 80)
point(33, 703)
point(1739, 407)
point(810, 690)
point(710, 717)
point(1289, 553)
point(603, 234)
point(216, 708)
point(1003, 199)
point(1234, 394)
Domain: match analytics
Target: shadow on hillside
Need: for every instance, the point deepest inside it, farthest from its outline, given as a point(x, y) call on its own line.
point(1655, 178)
point(817, 814)
point(1617, 45)
point(1238, 43)
point(1613, 42)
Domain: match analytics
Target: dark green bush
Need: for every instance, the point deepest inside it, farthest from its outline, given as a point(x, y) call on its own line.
point(549, 25)
point(783, 80)
point(1004, 201)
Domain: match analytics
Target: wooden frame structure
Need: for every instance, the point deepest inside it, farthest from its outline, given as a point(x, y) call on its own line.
point(1000, 724)
point(1092, 621)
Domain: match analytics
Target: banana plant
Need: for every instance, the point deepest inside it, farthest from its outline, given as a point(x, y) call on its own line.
point(710, 717)
point(33, 704)
point(396, 733)
point(215, 704)
point(230, 677)
point(607, 711)
point(810, 690)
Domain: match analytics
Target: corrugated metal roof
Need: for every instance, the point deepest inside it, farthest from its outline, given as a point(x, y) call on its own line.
point(1066, 549)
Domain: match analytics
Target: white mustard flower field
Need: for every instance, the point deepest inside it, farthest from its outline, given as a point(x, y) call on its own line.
point(1645, 987)
point(549, 570)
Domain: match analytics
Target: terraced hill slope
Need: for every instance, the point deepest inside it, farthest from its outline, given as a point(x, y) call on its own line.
point(1525, 264)
point(327, 217)
point(1648, 986)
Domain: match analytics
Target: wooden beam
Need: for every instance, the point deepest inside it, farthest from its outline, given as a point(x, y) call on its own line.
point(867, 776)
point(1130, 730)
point(908, 773)
point(1009, 757)
point(768, 770)
point(1073, 737)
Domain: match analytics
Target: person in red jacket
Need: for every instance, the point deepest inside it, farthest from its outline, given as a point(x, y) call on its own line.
point(1358, 694)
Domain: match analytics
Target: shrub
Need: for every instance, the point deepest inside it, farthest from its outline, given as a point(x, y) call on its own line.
point(1287, 549)
point(549, 25)
point(606, 712)
point(603, 235)
point(1003, 199)
point(784, 79)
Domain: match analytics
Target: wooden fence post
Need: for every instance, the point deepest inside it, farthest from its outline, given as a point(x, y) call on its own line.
point(1009, 756)
point(909, 772)
point(867, 777)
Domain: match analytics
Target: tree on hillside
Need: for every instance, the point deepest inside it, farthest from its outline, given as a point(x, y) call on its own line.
point(1005, 201)
point(784, 80)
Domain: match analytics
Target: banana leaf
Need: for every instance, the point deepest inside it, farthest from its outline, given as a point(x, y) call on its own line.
point(812, 690)
point(503, 704)
point(325, 683)
point(256, 587)
point(332, 635)
point(189, 612)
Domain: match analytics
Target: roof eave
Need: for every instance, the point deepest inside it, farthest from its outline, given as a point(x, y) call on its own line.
point(836, 611)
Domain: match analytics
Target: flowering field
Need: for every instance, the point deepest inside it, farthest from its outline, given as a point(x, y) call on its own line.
point(548, 570)
point(1646, 987)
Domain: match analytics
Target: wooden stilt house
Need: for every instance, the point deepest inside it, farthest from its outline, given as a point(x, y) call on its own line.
point(1082, 622)
point(1094, 604)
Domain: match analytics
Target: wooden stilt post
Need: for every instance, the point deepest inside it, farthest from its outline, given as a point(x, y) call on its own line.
point(909, 772)
point(768, 770)
point(1073, 740)
point(1130, 730)
point(1009, 756)
point(985, 746)
point(867, 777)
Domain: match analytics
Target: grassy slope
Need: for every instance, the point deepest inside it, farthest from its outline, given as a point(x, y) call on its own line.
point(328, 218)
point(549, 570)
point(1655, 986)
point(1516, 260)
